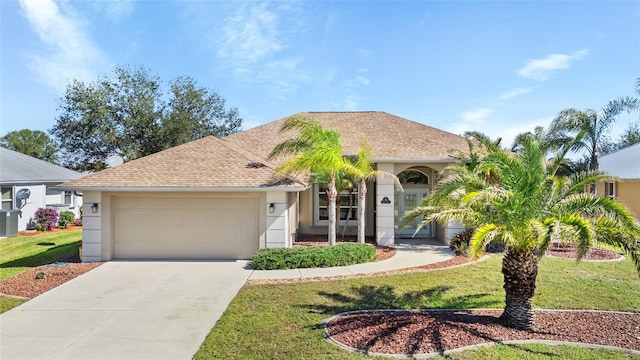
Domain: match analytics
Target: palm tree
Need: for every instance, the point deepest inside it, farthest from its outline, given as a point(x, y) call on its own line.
point(526, 208)
point(343, 183)
point(315, 150)
point(594, 125)
point(363, 170)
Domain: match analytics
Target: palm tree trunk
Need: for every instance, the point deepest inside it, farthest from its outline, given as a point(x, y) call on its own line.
point(362, 196)
point(331, 192)
point(520, 271)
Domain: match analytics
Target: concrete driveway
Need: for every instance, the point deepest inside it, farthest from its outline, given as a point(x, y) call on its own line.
point(124, 310)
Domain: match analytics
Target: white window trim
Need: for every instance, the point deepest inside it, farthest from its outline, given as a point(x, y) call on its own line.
point(10, 200)
point(316, 209)
point(610, 189)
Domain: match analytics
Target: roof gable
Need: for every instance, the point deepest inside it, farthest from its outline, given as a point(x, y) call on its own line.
point(624, 163)
point(207, 163)
point(391, 137)
point(18, 168)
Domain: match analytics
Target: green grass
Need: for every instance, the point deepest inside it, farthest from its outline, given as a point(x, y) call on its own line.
point(539, 351)
point(282, 321)
point(21, 253)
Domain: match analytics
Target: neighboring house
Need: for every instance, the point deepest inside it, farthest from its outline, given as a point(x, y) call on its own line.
point(26, 186)
point(624, 164)
point(220, 198)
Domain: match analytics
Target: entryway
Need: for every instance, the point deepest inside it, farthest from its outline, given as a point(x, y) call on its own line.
point(416, 186)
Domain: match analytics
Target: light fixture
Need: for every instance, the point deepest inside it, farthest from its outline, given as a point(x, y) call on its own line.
point(272, 207)
point(94, 208)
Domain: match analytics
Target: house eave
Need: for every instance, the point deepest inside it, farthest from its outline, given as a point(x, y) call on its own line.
point(183, 188)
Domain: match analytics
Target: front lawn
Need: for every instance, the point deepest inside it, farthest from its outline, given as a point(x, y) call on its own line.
point(21, 253)
point(282, 321)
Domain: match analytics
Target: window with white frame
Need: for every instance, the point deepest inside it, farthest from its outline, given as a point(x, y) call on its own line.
point(68, 198)
point(610, 189)
point(7, 198)
point(348, 205)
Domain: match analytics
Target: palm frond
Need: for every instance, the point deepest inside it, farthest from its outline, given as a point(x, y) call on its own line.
point(481, 237)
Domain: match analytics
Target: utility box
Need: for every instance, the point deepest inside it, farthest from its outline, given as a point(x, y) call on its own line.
point(9, 222)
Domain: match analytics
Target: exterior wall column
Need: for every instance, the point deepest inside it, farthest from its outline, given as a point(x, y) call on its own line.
point(277, 229)
point(385, 193)
point(92, 227)
point(451, 229)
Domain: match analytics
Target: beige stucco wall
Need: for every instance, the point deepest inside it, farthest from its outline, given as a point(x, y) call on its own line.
point(628, 193)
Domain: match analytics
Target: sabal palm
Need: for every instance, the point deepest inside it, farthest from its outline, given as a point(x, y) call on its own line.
point(314, 150)
point(526, 208)
point(592, 123)
point(362, 169)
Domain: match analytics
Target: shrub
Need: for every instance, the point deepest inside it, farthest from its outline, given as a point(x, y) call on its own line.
point(65, 218)
point(460, 243)
point(313, 256)
point(45, 219)
point(77, 222)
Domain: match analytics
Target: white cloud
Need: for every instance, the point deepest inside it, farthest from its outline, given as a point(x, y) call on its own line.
point(509, 133)
point(543, 69)
point(476, 116)
point(471, 120)
point(70, 53)
point(114, 10)
point(252, 41)
point(250, 35)
point(516, 92)
point(362, 80)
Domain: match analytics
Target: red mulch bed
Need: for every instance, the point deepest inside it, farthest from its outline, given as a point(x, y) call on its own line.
point(55, 229)
point(423, 332)
point(568, 251)
point(435, 331)
point(28, 284)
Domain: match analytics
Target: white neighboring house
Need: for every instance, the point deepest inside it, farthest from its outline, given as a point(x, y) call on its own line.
point(26, 185)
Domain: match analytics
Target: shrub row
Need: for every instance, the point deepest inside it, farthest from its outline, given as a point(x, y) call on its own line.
point(313, 256)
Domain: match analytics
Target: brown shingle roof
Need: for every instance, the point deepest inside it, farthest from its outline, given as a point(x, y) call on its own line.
point(391, 137)
point(206, 163)
point(238, 161)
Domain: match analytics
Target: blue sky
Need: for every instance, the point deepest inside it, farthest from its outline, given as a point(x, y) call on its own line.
point(497, 67)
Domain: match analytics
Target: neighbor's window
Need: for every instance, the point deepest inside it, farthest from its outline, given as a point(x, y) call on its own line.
point(68, 198)
point(610, 189)
point(7, 198)
point(348, 205)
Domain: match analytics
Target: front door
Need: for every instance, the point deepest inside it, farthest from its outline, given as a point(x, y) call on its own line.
point(404, 203)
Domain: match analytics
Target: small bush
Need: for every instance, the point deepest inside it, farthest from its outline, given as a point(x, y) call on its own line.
point(460, 242)
point(45, 219)
point(77, 222)
point(312, 257)
point(65, 218)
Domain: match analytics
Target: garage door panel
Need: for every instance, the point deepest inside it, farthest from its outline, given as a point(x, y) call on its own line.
point(164, 228)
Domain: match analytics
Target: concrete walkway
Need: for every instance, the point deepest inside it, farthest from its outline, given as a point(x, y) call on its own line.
point(409, 253)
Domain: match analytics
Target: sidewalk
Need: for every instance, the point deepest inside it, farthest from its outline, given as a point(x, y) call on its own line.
point(409, 253)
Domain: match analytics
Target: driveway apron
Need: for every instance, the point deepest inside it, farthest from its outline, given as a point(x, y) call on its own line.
point(124, 310)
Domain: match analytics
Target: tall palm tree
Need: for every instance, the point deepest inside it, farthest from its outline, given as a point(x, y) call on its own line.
point(593, 123)
point(314, 150)
point(526, 208)
point(362, 169)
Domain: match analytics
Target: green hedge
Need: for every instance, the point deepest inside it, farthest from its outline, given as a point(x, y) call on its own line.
point(313, 256)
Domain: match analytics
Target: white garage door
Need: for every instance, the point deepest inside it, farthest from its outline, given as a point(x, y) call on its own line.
point(186, 227)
